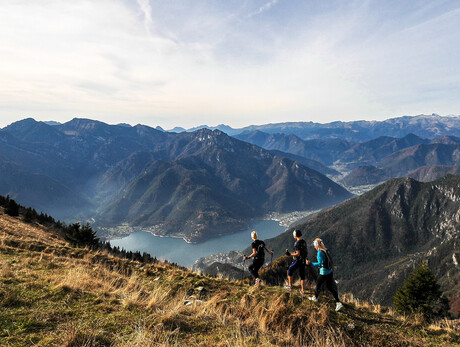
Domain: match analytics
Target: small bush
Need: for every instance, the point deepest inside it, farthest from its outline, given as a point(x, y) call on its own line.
point(421, 293)
point(81, 235)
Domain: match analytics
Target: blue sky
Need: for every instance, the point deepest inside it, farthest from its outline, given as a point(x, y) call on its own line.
point(186, 63)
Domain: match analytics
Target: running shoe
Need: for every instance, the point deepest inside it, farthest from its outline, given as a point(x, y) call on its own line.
point(287, 287)
point(301, 292)
point(257, 282)
point(338, 306)
point(313, 298)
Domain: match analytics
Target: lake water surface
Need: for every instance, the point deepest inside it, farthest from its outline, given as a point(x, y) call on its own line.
point(178, 251)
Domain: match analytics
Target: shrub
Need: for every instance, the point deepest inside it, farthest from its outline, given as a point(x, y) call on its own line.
point(421, 293)
point(81, 235)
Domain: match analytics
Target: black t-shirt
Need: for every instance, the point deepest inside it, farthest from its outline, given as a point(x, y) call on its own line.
point(259, 246)
point(301, 245)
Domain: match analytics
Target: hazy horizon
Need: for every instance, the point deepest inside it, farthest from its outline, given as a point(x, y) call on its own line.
point(223, 124)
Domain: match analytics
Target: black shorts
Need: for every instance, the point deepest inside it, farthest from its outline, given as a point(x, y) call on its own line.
point(255, 267)
point(297, 264)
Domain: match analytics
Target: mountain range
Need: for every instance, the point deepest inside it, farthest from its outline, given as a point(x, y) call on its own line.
point(425, 161)
point(325, 152)
point(370, 162)
point(202, 183)
point(426, 126)
point(190, 185)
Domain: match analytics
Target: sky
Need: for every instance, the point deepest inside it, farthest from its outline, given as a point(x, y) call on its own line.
point(236, 62)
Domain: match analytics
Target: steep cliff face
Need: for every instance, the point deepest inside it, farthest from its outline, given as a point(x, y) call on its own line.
point(377, 238)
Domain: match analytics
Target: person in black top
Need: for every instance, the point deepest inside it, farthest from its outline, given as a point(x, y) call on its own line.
point(258, 253)
point(300, 255)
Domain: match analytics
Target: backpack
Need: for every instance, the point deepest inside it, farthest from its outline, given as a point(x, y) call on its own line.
point(328, 263)
point(260, 252)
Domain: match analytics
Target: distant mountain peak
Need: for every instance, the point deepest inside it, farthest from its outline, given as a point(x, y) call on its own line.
point(177, 130)
point(27, 120)
point(52, 122)
point(83, 121)
point(23, 122)
point(80, 126)
point(31, 130)
point(411, 136)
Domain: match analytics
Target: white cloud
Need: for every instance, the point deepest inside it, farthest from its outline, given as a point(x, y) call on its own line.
point(265, 7)
point(147, 12)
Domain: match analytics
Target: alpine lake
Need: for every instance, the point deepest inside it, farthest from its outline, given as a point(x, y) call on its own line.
point(178, 251)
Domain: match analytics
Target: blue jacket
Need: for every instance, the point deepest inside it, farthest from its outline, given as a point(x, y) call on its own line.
point(321, 258)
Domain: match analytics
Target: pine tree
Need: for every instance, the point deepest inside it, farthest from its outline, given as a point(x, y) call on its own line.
point(12, 208)
point(421, 293)
point(29, 215)
point(81, 235)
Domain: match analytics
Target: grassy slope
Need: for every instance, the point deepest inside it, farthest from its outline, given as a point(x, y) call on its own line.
point(53, 294)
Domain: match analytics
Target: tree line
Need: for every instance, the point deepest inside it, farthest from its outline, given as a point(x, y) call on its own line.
point(76, 234)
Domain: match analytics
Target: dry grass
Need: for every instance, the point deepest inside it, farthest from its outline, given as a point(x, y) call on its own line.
point(159, 296)
point(418, 319)
point(5, 270)
point(28, 233)
point(68, 297)
point(144, 336)
point(449, 325)
point(375, 308)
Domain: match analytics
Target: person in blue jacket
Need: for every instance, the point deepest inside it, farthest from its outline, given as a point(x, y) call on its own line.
point(325, 273)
